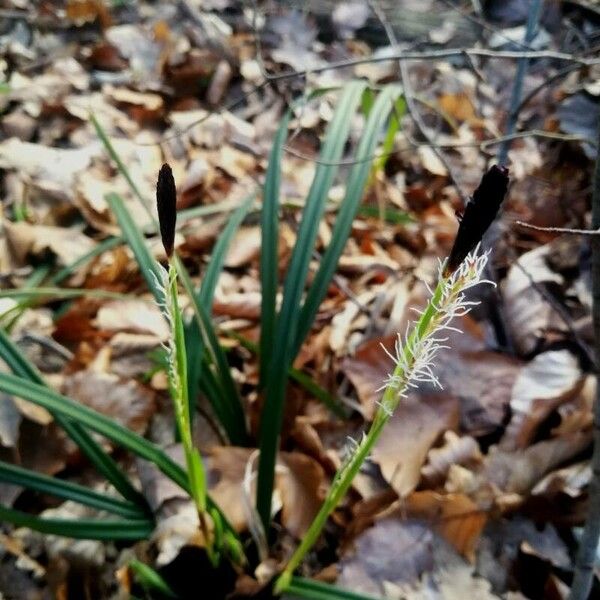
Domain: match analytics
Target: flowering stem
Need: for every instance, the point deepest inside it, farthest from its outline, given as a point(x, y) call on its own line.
point(177, 374)
point(390, 400)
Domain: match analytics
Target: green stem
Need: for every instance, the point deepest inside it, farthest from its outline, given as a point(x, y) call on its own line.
point(178, 380)
point(348, 471)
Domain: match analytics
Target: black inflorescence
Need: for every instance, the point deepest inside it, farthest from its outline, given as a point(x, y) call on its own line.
point(166, 200)
point(479, 214)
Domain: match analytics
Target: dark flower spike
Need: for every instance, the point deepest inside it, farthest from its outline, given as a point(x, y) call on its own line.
point(166, 199)
point(479, 214)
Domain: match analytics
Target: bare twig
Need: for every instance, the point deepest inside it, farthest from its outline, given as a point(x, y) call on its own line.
point(517, 91)
point(411, 106)
point(591, 232)
point(482, 145)
point(584, 569)
point(437, 55)
point(467, 53)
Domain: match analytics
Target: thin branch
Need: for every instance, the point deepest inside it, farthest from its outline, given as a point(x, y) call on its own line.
point(584, 569)
point(411, 106)
point(482, 145)
point(517, 91)
point(437, 55)
point(590, 232)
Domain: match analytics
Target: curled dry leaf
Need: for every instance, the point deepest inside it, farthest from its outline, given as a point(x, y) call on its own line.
point(455, 451)
point(10, 419)
point(528, 314)
point(391, 559)
point(126, 401)
point(25, 240)
point(301, 484)
point(133, 316)
point(519, 471)
point(549, 380)
point(245, 247)
point(571, 480)
point(56, 167)
point(454, 516)
point(413, 429)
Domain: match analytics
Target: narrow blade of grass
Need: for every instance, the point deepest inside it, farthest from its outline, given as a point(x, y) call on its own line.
point(67, 490)
point(269, 248)
point(131, 233)
point(120, 164)
point(200, 332)
point(150, 579)
point(321, 394)
point(355, 186)
point(33, 281)
point(317, 590)
point(388, 214)
point(83, 529)
point(60, 293)
point(60, 405)
point(388, 142)
point(97, 250)
point(288, 320)
point(195, 344)
point(18, 363)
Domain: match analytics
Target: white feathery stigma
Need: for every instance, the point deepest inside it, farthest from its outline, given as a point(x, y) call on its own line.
point(414, 354)
point(162, 280)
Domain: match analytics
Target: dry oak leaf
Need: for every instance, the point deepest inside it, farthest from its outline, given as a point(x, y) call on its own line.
point(24, 240)
point(456, 450)
point(407, 559)
point(549, 380)
point(528, 315)
point(520, 471)
point(299, 482)
point(409, 435)
point(454, 516)
point(133, 316)
point(127, 402)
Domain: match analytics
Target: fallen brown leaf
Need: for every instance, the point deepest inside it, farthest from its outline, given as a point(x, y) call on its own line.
point(413, 429)
point(549, 380)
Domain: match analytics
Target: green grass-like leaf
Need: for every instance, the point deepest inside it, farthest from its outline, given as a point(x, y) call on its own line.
point(355, 186)
point(150, 579)
point(310, 589)
point(201, 332)
point(269, 253)
point(388, 214)
point(67, 490)
point(133, 236)
point(64, 407)
point(288, 321)
point(18, 363)
point(60, 293)
point(88, 529)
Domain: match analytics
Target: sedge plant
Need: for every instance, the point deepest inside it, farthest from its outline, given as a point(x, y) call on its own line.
point(414, 354)
point(166, 284)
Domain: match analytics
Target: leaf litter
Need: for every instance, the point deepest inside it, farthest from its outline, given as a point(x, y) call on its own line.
point(473, 491)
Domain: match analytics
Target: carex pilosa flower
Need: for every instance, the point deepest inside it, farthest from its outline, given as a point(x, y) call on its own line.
point(166, 200)
point(479, 213)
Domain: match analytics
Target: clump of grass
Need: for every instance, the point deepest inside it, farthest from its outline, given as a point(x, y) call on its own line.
point(414, 356)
